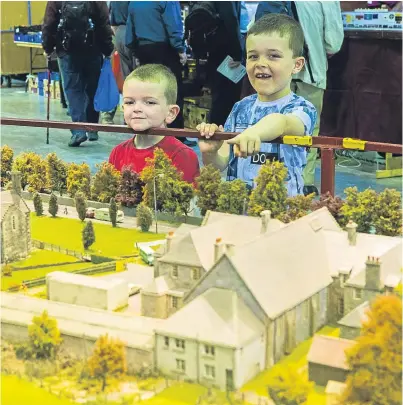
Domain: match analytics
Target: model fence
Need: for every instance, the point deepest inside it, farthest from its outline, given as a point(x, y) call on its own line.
point(56, 248)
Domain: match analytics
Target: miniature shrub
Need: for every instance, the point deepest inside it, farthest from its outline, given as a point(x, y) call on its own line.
point(38, 204)
point(7, 270)
point(388, 213)
point(105, 183)
point(144, 217)
point(81, 205)
point(333, 204)
point(130, 190)
point(78, 179)
point(208, 189)
point(88, 235)
point(113, 211)
point(33, 171)
point(107, 360)
point(297, 207)
point(44, 337)
point(53, 207)
point(233, 197)
point(7, 156)
point(56, 173)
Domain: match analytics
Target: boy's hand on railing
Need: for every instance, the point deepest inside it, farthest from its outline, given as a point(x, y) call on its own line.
point(246, 144)
point(208, 130)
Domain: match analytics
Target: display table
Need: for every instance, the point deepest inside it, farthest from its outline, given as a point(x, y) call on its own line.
point(364, 89)
point(35, 53)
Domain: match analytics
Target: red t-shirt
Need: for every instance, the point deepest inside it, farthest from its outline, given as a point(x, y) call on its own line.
point(183, 158)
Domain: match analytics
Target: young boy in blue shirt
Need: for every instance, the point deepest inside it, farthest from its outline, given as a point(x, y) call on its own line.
point(274, 47)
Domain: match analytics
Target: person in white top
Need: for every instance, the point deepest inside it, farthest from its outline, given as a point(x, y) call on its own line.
point(322, 24)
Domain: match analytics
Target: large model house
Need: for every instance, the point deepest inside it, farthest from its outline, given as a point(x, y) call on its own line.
point(15, 223)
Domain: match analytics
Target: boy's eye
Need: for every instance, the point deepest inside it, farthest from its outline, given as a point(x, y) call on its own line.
point(151, 102)
point(252, 57)
point(128, 102)
point(274, 56)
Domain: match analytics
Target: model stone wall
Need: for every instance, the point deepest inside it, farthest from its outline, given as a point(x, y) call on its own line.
point(348, 332)
point(335, 295)
point(186, 276)
point(350, 298)
point(15, 231)
point(153, 305)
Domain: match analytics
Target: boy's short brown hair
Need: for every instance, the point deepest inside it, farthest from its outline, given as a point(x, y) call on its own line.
point(155, 73)
point(284, 25)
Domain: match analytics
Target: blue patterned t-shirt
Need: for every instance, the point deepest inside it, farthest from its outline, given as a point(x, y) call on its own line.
point(248, 112)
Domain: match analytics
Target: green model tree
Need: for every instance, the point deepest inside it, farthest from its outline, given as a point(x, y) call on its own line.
point(38, 204)
point(44, 337)
point(208, 189)
point(333, 204)
point(181, 194)
point(376, 360)
point(88, 235)
point(81, 205)
point(53, 207)
point(78, 179)
point(105, 183)
point(107, 360)
point(33, 171)
point(360, 208)
point(113, 212)
point(270, 192)
point(144, 217)
point(130, 190)
point(388, 213)
point(233, 197)
point(297, 207)
point(56, 173)
point(7, 155)
point(287, 386)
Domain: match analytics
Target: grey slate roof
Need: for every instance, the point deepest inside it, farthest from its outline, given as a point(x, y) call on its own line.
point(355, 318)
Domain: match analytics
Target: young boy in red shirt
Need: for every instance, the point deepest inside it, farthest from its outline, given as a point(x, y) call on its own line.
point(149, 96)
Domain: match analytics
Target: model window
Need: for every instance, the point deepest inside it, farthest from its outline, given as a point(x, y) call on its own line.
point(341, 306)
point(180, 365)
point(357, 293)
point(195, 274)
point(13, 219)
point(210, 350)
point(166, 341)
point(174, 302)
point(210, 371)
point(180, 343)
point(175, 271)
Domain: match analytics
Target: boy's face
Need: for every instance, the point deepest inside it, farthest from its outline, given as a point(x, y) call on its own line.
point(270, 65)
point(145, 105)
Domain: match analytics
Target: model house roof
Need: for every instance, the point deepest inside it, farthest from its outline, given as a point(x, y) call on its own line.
point(197, 247)
point(356, 317)
point(218, 316)
point(343, 256)
point(6, 200)
point(179, 233)
point(284, 268)
point(161, 285)
point(329, 351)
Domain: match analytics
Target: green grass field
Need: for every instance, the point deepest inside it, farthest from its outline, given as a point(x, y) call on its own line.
point(109, 242)
point(181, 394)
point(44, 257)
point(20, 392)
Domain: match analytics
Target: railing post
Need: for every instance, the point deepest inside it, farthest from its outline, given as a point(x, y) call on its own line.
point(327, 171)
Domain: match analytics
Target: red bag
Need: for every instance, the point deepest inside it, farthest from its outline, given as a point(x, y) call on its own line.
point(117, 71)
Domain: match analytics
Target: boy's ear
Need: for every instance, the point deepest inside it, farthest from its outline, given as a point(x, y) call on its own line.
point(299, 64)
point(172, 113)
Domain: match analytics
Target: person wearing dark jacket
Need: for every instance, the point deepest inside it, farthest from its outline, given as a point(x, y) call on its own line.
point(224, 92)
point(80, 64)
point(155, 34)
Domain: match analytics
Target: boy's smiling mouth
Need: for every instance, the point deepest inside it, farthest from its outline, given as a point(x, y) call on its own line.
point(262, 76)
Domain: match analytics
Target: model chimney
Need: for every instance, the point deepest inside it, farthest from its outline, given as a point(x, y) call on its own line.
point(265, 215)
point(16, 186)
point(373, 273)
point(170, 236)
point(218, 247)
point(229, 249)
point(352, 233)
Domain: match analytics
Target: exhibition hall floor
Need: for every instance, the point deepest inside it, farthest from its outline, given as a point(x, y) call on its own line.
point(16, 103)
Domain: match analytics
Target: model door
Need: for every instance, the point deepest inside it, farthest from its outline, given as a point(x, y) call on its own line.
point(229, 379)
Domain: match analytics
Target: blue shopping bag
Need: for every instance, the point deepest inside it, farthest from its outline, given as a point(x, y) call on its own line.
point(107, 95)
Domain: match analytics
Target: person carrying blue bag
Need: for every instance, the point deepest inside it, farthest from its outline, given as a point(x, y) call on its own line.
point(81, 33)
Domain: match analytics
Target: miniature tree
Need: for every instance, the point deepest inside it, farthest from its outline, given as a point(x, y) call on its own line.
point(78, 179)
point(181, 194)
point(7, 155)
point(88, 235)
point(144, 217)
point(388, 213)
point(56, 173)
point(233, 197)
point(287, 386)
point(360, 208)
point(333, 204)
point(107, 360)
point(376, 360)
point(81, 205)
point(270, 192)
point(159, 171)
point(208, 188)
point(33, 171)
point(105, 183)
point(44, 336)
point(130, 190)
point(7, 270)
point(113, 211)
point(297, 207)
point(53, 207)
point(38, 204)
